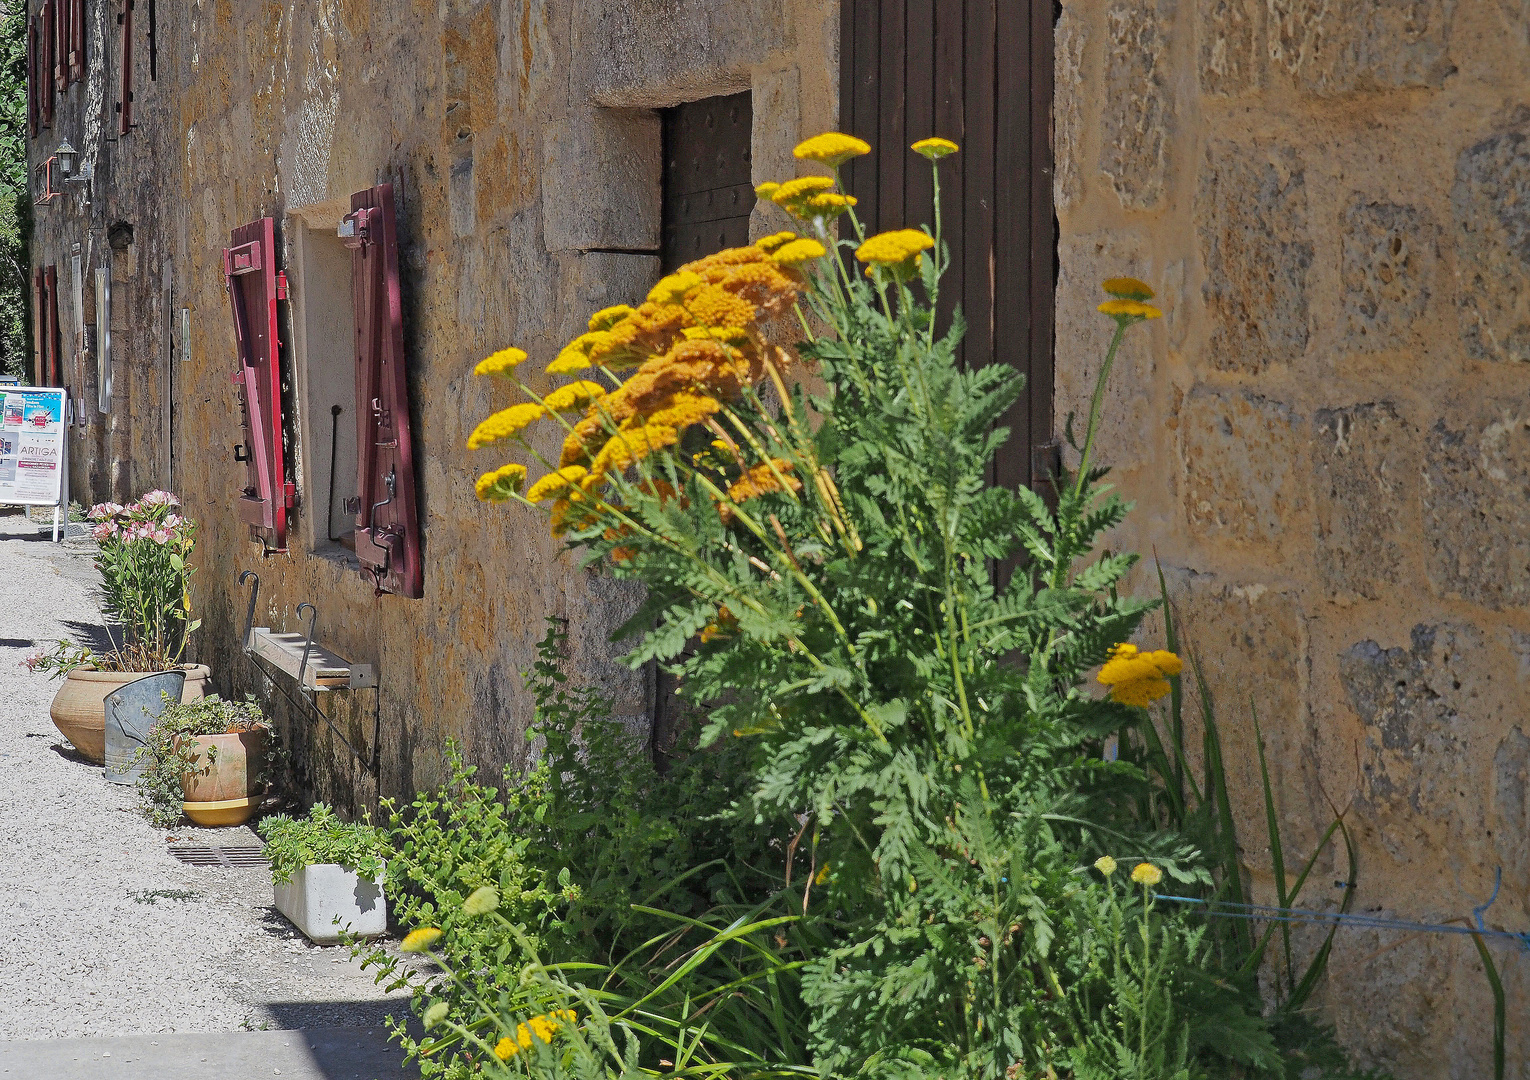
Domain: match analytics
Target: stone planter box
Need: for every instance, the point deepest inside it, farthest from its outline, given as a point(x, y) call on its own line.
point(324, 899)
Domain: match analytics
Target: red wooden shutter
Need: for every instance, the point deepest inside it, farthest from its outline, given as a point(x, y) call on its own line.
point(45, 63)
point(61, 9)
point(39, 328)
point(34, 114)
point(76, 40)
point(249, 268)
point(125, 102)
point(387, 525)
point(48, 370)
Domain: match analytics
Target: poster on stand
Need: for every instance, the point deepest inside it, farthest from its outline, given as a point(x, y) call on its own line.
point(31, 446)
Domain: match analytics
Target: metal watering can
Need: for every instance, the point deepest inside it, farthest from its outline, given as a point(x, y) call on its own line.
point(131, 711)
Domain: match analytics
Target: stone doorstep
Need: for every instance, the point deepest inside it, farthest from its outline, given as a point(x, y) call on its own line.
point(329, 1053)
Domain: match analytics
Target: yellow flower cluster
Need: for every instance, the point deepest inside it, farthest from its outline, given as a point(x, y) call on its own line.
point(420, 940)
point(504, 424)
point(1105, 865)
point(1138, 678)
point(807, 197)
point(501, 363)
point(832, 148)
point(897, 246)
point(1146, 874)
point(537, 1028)
point(1128, 304)
point(934, 148)
point(501, 483)
point(575, 395)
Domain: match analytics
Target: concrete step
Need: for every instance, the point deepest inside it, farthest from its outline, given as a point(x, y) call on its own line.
point(331, 1053)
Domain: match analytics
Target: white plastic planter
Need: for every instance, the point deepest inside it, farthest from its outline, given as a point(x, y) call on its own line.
point(325, 899)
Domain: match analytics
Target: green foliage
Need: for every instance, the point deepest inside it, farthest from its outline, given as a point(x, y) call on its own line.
point(321, 837)
point(15, 206)
point(171, 754)
point(145, 567)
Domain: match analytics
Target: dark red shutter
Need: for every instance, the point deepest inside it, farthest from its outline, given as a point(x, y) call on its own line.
point(387, 525)
point(125, 102)
point(47, 367)
point(34, 114)
point(76, 40)
point(61, 10)
point(249, 268)
point(45, 63)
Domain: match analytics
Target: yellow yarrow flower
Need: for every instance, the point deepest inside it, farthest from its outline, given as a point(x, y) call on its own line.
point(503, 424)
point(567, 362)
point(482, 901)
point(1138, 678)
point(555, 482)
point(501, 363)
point(499, 485)
point(934, 148)
point(674, 288)
point(435, 1014)
point(827, 204)
point(832, 148)
point(505, 1049)
point(897, 246)
point(1129, 309)
point(1127, 288)
point(420, 940)
point(767, 190)
point(800, 188)
point(769, 244)
point(575, 395)
point(798, 251)
point(1146, 874)
point(606, 318)
point(1105, 865)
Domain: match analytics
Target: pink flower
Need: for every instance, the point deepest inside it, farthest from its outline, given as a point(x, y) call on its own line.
point(162, 536)
point(31, 662)
point(172, 520)
point(103, 530)
point(159, 498)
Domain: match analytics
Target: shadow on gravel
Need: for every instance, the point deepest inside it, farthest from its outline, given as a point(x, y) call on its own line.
point(16, 643)
point(92, 635)
point(69, 753)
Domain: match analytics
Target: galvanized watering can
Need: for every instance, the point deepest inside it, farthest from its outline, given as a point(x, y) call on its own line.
point(130, 712)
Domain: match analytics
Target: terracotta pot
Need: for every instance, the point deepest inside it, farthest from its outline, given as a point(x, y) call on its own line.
point(225, 787)
point(79, 709)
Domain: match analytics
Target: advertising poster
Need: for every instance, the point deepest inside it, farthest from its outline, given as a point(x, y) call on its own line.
point(31, 446)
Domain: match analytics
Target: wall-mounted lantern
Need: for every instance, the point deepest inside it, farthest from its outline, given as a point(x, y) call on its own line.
point(66, 155)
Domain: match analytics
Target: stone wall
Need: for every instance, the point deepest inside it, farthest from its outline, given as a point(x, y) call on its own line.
point(522, 143)
point(1326, 439)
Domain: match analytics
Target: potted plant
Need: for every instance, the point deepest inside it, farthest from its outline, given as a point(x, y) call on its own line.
point(327, 874)
point(205, 759)
point(146, 582)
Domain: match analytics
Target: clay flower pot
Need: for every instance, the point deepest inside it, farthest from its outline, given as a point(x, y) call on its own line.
point(225, 787)
point(79, 709)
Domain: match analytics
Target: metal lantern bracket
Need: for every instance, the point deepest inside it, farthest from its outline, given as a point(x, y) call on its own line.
point(313, 667)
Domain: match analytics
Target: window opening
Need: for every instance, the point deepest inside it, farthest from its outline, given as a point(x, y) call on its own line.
point(707, 184)
point(104, 338)
point(323, 338)
point(153, 41)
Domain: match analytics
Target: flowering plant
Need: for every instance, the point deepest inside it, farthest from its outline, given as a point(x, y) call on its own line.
point(824, 573)
point(146, 585)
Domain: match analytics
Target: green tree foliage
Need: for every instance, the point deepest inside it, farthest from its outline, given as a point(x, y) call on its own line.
point(15, 205)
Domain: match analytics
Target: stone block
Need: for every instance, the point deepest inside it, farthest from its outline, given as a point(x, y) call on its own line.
point(656, 53)
point(1488, 202)
point(600, 181)
point(1390, 254)
point(592, 280)
point(1252, 207)
point(1069, 41)
point(1138, 104)
point(1332, 47)
point(1245, 482)
point(1231, 46)
point(1251, 645)
point(1476, 506)
point(1509, 814)
point(1394, 1002)
point(1366, 468)
point(1419, 707)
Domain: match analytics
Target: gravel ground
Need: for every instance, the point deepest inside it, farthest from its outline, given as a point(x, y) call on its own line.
point(108, 934)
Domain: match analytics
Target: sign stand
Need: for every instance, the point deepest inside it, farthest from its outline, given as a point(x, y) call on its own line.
point(34, 449)
point(61, 508)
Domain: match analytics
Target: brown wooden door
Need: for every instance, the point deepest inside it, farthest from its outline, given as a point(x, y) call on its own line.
point(978, 72)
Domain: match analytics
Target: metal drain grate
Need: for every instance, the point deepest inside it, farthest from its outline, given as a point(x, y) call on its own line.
point(212, 855)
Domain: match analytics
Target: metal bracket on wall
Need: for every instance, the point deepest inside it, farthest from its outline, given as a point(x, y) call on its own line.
point(314, 668)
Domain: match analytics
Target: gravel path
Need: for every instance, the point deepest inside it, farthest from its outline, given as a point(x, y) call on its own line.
point(107, 933)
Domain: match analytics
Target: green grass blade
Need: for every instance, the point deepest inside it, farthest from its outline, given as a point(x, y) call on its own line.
point(1496, 983)
point(1176, 689)
point(1277, 853)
